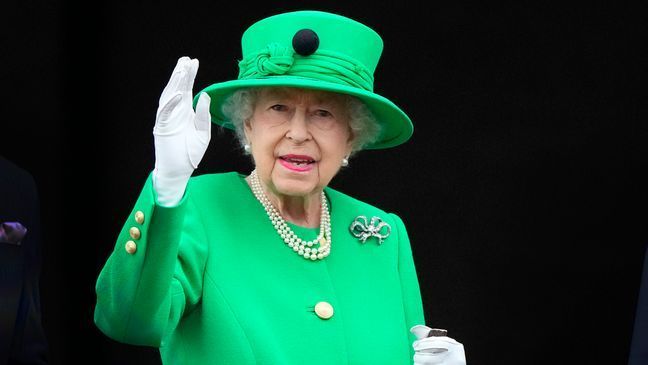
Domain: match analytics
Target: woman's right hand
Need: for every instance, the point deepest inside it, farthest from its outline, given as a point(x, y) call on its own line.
point(181, 135)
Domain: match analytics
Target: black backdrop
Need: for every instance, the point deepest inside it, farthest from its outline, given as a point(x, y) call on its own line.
point(521, 187)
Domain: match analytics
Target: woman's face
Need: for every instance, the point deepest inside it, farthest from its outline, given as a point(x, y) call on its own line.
point(298, 138)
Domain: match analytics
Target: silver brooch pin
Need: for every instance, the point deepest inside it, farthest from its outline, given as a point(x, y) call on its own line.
point(363, 229)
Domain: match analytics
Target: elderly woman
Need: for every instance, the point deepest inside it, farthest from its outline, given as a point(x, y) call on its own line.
point(275, 267)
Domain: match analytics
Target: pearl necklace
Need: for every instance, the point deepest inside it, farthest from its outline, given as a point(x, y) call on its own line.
point(301, 247)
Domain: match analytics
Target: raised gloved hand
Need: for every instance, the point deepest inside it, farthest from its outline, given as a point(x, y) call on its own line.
point(437, 349)
point(181, 135)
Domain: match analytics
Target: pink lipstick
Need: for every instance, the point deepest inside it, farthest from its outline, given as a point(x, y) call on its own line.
point(297, 163)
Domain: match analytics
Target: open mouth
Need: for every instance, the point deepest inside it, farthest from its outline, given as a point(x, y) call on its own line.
point(297, 162)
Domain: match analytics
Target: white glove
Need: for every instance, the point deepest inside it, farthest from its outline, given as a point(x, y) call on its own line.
point(436, 350)
point(181, 136)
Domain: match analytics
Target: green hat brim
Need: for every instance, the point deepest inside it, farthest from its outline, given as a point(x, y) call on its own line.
point(396, 126)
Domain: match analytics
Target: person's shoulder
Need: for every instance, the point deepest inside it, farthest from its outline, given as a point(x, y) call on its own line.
point(9, 168)
point(222, 181)
point(342, 199)
point(356, 207)
point(15, 175)
point(215, 177)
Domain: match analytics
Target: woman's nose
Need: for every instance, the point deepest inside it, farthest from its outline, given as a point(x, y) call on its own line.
point(298, 127)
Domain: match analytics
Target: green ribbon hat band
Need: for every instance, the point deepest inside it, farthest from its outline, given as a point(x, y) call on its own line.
point(331, 66)
point(314, 50)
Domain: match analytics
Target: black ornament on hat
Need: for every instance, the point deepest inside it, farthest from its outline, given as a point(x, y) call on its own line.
point(305, 42)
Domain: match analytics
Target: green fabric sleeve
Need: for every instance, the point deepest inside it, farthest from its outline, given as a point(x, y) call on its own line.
point(141, 296)
point(412, 302)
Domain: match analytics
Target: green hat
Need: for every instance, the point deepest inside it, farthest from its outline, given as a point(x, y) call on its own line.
point(314, 50)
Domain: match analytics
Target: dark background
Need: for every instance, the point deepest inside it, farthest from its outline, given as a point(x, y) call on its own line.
point(522, 187)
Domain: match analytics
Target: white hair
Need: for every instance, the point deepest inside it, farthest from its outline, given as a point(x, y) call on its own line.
point(239, 107)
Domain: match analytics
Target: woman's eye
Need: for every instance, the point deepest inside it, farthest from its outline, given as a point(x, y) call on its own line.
point(323, 113)
point(278, 107)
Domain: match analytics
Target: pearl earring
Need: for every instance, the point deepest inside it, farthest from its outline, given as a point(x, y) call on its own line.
point(345, 162)
point(247, 148)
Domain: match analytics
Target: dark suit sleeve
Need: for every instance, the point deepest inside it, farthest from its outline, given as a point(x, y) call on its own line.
point(639, 349)
point(29, 345)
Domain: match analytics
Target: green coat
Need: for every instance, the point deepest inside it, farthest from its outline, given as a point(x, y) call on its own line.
point(211, 282)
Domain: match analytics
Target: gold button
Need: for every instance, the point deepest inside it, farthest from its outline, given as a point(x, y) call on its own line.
point(324, 310)
point(139, 217)
point(131, 247)
point(135, 233)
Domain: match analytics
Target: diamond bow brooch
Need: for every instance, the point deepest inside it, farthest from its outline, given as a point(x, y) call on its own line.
point(363, 229)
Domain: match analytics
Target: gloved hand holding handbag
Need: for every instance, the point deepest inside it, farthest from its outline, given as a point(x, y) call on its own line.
point(434, 347)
